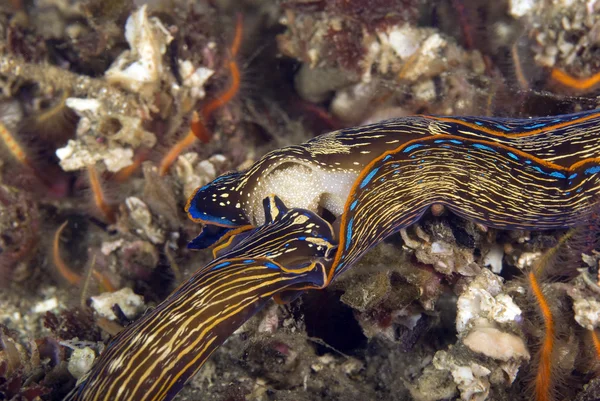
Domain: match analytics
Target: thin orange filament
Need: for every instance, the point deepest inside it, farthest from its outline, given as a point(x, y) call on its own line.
point(14, 148)
point(578, 84)
point(237, 38)
point(596, 342)
point(225, 97)
point(99, 198)
point(66, 272)
point(104, 281)
point(198, 129)
point(20, 155)
point(176, 150)
point(543, 378)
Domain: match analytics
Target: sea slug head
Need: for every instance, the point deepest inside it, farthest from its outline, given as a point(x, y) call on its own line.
point(218, 203)
point(235, 200)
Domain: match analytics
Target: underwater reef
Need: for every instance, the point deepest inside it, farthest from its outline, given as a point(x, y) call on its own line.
point(114, 113)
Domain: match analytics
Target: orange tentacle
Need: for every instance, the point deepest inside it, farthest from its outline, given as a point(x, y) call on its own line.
point(578, 84)
point(99, 198)
point(126, 172)
point(198, 127)
point(543, 378)
point(64, 270)
point(596, 342)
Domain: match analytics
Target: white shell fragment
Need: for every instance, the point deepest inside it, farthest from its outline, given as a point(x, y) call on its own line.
point(81, 361)
point(194, 78)
point(45, 306)
point(586, 308)
point(130, 303)
point(139, 69)
point(194, 173)
point(587, 312)
point(74, 157)
point(95, 143)
point(494, 257)
point(496, 344)
point(483, 299)
point(83, 107)
point(471, 379)
point(520, 8)
point(405, 39)
point(142, 220)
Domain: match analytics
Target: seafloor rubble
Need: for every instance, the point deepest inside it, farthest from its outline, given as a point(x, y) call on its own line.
point(113, 112)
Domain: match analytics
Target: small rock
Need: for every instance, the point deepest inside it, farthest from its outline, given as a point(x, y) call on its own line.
point(81, 361)
point(45, 306)
point(496, 344)
point(130, 303)
point(141, 217)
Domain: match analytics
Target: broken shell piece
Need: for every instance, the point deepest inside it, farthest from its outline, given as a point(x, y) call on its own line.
point(590, 260)
point(494, 258)
point(427, 61)
point(471, 379)
point(76, 156)
point(444, 255)
point(109, 247)
point(527, 259)
point(102, 137)
point(425, 91)
point(132, 133)
point(405, 39)
point(83, 107)
point(511, 368)
point(483, 299)
point(141, 218)
point(520, 8)
point(81, 361)
point(193, 173)
point(45, 306)
point(432, 385)
point(496, 344)
point(412, 53)
point(130, 303)
point(194, 79)
point(116, 128)
point(587, 312)
point(585, 307)
point(139, 69)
